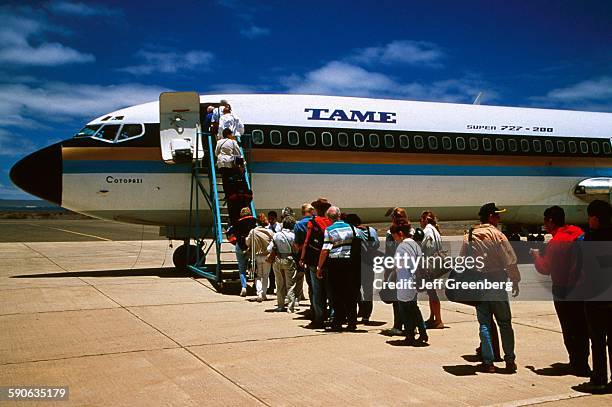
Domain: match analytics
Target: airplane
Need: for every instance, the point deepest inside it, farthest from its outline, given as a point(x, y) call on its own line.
point(365, 155)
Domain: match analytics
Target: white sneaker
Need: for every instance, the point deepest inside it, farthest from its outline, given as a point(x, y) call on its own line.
point(243, 292)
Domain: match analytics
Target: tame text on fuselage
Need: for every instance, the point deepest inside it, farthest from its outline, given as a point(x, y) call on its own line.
point(351, 116)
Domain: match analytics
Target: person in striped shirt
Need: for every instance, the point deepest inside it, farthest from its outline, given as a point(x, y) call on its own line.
point(343, 276)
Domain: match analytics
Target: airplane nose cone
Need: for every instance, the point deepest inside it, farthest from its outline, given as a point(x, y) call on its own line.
point(40, 173)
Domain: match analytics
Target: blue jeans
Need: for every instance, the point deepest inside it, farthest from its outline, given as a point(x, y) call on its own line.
point(319, 297)
point(242, 265)
point(411, 318)
point(501, 311)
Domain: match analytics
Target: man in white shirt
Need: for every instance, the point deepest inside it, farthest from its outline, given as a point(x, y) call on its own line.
point(230, 121)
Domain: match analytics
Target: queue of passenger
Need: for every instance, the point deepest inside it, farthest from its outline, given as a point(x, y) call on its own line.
point(334, 251)
point(324, 242)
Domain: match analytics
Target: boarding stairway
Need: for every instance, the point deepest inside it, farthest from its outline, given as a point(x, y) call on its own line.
point(207, 182)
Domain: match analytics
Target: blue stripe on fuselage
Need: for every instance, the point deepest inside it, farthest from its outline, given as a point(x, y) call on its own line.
point(109, 166)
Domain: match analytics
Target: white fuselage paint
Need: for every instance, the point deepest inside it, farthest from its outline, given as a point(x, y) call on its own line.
point(168, 194)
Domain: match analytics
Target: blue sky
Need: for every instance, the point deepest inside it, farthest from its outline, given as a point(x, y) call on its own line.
point(64, 62)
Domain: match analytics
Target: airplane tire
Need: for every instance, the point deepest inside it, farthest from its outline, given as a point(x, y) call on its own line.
point(179, 257)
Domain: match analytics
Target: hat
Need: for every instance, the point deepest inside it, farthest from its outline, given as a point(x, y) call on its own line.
point(287, 211)
point(488, 209)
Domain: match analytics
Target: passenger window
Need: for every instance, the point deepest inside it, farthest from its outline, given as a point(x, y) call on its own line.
point(88, 131)
point(460, 143)
point(499, 145)
point(343, 140)
point(432, 142)
point(560, 146)
point(130, 131)
point(537, 146)
point(404, 141)
point(486, 144)
point(358, 140)
point(513, 145)
point(258, 137)
point(276, 137)
point(311, 138)
point(326, 138)
point(607, 148)
point(525, 146)
point(584, 147)
point(374, 140)
point(573, 148)
point(419, 142)
point(389, 141)
point(595, 147)
point(294, 138)
point(447, 144)
point(474, 145)
point(549, 146)
point(108, 132)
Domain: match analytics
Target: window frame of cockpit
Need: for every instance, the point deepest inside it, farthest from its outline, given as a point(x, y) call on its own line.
point(115, 139)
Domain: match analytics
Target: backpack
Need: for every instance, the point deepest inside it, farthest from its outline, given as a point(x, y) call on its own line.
point(315, 244)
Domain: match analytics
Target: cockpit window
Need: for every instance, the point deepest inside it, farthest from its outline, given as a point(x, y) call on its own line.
point(112, 133)
point(129, 131)
point(87, 131)
point(108, 132)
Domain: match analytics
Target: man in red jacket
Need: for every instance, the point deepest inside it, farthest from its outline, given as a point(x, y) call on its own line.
point(561, 262)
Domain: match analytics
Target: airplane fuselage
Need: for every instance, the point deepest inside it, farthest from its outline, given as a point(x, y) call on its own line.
point(364, 155)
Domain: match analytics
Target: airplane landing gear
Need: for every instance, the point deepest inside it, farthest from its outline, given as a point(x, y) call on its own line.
point(179, 257)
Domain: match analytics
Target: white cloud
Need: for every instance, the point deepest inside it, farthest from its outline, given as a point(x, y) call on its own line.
point(592, 94)
point(341, 78)
point(52, 54)
point(254, 32)
point(170, 62)
point(58, 101)
point(12, 144)
point(419, 53)
point(81, 9)
point(17, 48)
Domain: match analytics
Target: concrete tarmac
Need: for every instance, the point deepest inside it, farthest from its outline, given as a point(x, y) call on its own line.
point(113, 321)
point(81, 230)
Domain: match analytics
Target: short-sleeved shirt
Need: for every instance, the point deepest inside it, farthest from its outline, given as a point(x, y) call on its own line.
point(323, 222)
point(372, 240)
point(216, 114)
point(409, 249)
point(282, 243)
point(277, 227)
point(300, 229)
point(338, 239)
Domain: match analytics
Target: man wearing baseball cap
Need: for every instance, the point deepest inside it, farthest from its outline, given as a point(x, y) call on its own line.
point(500, 264)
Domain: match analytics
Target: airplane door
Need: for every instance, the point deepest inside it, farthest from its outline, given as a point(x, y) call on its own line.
point(179, 124)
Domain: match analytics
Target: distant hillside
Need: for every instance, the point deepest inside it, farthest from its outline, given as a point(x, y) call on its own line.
point(34, 209)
